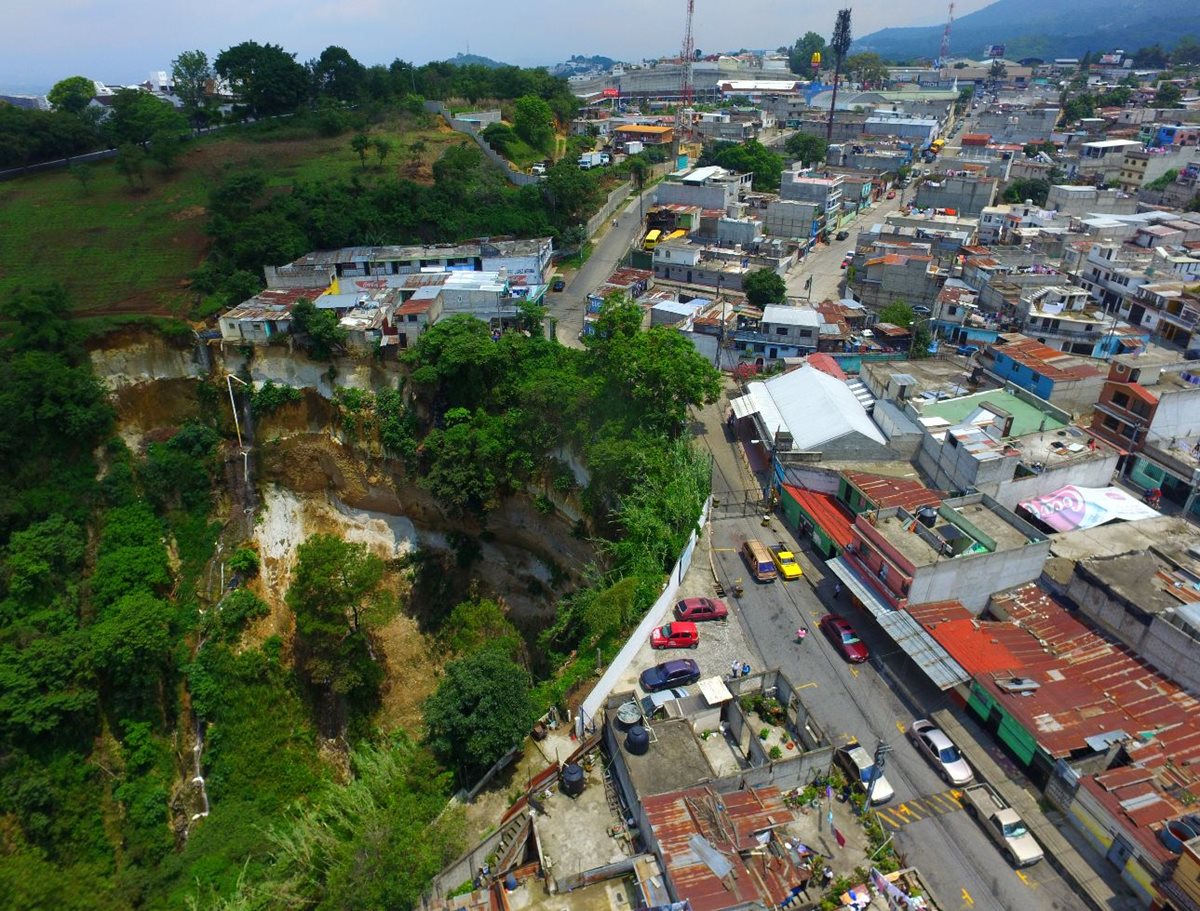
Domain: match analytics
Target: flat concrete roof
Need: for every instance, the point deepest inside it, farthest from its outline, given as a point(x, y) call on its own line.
point(574, 831)
point(1026, 417)
point(674, 759)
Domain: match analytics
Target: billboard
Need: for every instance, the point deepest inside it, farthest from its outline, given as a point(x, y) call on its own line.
point(611, 93)
point(1111, 60)
point(994, 50)
point(1071, 507)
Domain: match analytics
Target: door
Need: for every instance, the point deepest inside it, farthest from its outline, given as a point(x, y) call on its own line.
point(1119, 853)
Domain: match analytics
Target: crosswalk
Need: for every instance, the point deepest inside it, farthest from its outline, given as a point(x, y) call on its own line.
point(914, 809)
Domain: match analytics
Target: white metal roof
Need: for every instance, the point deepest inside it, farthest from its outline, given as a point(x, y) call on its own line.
point(813, 406)
point(791, 316)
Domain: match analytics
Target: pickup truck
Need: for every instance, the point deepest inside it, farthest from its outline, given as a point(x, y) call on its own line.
point(785, 561)
point(1003, 824)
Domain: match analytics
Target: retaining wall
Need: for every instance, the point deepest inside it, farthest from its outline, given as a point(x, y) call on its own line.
point(511, 174)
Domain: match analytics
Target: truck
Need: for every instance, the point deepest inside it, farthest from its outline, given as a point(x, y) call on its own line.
point(1002, 823)
point(589, 160)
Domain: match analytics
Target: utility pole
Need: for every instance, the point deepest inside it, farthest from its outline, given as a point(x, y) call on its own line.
point(840, 45)
point(881, 752)
point(229, 378)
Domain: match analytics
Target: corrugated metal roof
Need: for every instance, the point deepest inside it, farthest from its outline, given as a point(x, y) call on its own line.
point(885, 492)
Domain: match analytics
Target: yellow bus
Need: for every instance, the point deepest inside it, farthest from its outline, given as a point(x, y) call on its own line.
point(675, 235)
point(651, 240)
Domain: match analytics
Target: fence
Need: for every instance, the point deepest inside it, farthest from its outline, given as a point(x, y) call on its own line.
point(598, 695)
point(511, 174)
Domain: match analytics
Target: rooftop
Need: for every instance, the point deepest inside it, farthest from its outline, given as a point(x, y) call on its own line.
point(491, 247)
point(1048, 362)
point(675, 756)
point(964, 527)
point(886, 492)
point(1027, 418)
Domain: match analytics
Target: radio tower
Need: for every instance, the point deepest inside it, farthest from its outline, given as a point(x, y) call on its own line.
point(944, 56)
point(685, 79)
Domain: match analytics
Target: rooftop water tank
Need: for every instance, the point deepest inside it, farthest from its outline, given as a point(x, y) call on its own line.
point(572, 779)
point(638, 740)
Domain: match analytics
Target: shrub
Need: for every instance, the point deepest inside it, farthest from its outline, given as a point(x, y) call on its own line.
point(244, 562)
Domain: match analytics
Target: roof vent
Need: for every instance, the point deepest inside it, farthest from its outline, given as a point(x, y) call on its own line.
point(1019, 686)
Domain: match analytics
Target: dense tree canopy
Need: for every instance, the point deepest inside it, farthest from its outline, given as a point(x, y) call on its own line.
point(751, 157)
point(807, 148)
point(72, 94)
point(800, 54)
point(265, 77)
point(764, 286)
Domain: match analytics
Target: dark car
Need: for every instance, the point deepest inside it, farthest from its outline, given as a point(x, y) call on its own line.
point(842, 235)
point(559, 284)
point(844, 639)
point(698, 609)
point(967, 350)
point(681, 672)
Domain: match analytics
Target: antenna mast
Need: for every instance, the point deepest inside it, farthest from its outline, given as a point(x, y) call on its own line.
point(685, 78)
point(944, 56)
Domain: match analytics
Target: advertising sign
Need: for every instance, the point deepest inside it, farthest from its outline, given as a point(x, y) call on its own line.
point(1071, 507)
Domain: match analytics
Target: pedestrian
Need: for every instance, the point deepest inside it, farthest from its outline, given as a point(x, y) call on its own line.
point(746, 669)
point(734, 669)
point(837, 589)
point(826, 877)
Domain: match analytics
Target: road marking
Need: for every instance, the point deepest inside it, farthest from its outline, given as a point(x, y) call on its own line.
point(967, 897)
point(1026, 880)
point(886, 816)
point(900, 726)
point(724, 550)
point(908, 811)
point(854, 672)
point(942, 803)
point(805, 686)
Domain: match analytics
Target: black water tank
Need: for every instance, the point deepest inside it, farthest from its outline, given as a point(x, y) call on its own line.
point(638, 741)
point(928, 516)
point(572, 779)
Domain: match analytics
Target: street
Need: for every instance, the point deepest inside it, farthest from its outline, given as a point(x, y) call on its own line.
point(868, 702)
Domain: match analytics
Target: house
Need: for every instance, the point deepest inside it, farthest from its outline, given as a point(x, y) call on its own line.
point(1168, 308)
point(1065, 317)
point(963, 193)
point(1061, 379)
point(823, 192)
point(708, 188)
point(264, 318)
point(647, 134)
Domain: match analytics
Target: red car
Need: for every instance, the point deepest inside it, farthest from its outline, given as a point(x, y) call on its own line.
point(844, 639)
point(698, 609)
point(679, 634)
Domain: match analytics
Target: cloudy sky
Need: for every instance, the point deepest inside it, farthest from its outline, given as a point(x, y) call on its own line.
point(121, 41)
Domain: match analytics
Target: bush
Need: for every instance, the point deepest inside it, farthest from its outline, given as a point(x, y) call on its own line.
point(244, 562)
point(271, 397)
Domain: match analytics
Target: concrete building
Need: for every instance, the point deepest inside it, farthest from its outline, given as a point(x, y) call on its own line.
point(920, 131)
point(879, 281)
point(1017, 124)
point(964, 549)
point(794, 220)
point(1101, 161)
point(1061, 379)
point(644, 133)
point(1008, 444)
point(1081, 201)
point(709, 188)
point(1066, 318)
point(1143, 166)
point(1170, 309)
point(689, 263)
point(363, 268)
point(824, 192)
point(965, 194)
point(264, 318)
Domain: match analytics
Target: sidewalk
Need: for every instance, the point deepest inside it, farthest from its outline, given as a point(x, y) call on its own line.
point(1096, 881)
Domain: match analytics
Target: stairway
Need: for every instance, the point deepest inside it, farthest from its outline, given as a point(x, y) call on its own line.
point(512, 837)
point(862, 393)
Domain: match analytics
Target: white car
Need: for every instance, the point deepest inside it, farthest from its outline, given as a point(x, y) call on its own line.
point(860, 765)
point(929, 739)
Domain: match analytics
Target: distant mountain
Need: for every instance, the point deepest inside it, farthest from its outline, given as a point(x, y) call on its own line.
point(1046, 29)
point(476, 59)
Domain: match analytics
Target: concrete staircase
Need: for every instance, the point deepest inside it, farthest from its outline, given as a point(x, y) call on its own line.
point(862, 393)
point(512, 838)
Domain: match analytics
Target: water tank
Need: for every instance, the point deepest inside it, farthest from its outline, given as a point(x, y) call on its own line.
point(572, 779)
point(1174, 834)
point(928, 516)
point(638, 740)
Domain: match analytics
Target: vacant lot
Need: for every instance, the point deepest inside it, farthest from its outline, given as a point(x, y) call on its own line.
point(123, 250)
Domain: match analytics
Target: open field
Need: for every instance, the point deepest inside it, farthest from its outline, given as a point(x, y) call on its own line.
point(128, 252)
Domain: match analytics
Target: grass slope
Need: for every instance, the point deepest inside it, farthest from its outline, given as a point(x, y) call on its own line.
point(123, 251)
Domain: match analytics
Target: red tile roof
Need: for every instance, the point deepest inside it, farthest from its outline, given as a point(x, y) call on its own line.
point(826, 511)
point(826, 364)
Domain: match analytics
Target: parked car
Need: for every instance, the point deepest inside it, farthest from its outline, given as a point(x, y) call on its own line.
point(559, 284)
point(699, 609)
point(844, 639)
point(680, 634)
point(842, 235)
point(859, 765)
point(785, 562)
point(929, 740)
point(967, 350)
point(681, 672)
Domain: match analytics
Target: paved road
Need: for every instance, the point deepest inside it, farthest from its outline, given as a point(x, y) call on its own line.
point(567, 307)
point(869, 703)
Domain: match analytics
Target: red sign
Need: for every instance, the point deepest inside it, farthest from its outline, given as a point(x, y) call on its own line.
point(611, 93)
point(368, 283)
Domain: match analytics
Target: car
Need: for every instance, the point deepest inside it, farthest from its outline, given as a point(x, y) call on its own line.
point(844, 639)
point(930, 741)
point(967, 350)
point(859, 765)
point(680, 634)
point(699, 609)
point(891, 194)
point(559, 284)
point(842, 235)
point(668, 674)
point(785, 562)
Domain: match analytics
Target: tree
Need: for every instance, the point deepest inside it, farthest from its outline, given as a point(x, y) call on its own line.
point(191, 75)
point(754, 158)
point(1186, 51)
point(331, 590)
point(1153, 56)
point(320, 329)
point(266, 79)
point(336, 74)
point(131, 164)
point(1033, 189)
point(82, 173)
point(481, 624)
point(800, 54)
point(840, 45)
point(1168, 95)
point(763, 287)
point(998, 72)
point(383, 147)
point(867, 68)
point(137, 117)
point(361, 143)
point(897, 313)
point(533, 121)
point(806, 148)
point(132, 639)
point(480, 710)
point(72, 94)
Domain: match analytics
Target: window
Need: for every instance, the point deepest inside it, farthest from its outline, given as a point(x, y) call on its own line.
point(412, 317)
point(1111, 423)
point(781, 330)
point(1120, 399)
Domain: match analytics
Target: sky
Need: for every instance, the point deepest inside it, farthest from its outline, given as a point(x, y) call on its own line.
point(120, 41)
